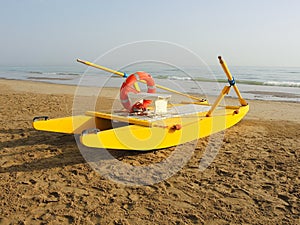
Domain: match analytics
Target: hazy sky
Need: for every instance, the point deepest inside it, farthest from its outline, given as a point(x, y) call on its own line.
point(251, 33)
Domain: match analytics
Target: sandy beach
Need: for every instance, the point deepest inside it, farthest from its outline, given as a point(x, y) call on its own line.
point(254, 178)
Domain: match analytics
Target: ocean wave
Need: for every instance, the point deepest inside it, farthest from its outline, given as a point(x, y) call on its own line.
point(282, 83)
point(179, 78)
point(72, 74)
point(35, 72)
point(49, 78)
point(55, 73)
point(246, 82)
point(203, 79)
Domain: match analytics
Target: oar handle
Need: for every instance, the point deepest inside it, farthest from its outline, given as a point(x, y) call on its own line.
point(102, 68)
point(225, 68)
point(232, 81)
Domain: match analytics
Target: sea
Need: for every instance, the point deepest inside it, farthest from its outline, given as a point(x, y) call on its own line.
point(262, 83)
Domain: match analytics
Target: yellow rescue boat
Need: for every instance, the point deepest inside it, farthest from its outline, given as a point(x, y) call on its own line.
point(148, 127)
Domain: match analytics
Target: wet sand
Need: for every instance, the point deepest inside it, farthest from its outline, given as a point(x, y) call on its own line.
point(254, 178)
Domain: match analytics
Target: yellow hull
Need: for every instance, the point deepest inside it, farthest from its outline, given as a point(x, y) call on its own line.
point(71, 124)
point(162, 135)
point(143, 135)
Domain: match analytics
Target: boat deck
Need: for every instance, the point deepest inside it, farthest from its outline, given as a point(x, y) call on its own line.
point(150, 117)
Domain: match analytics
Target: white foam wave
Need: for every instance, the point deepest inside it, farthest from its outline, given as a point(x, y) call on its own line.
point(282, 83)
point(179, 78)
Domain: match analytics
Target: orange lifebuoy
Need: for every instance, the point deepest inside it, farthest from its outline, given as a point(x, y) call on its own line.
point(127, 87)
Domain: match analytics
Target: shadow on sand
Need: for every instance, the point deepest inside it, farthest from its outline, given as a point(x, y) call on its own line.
point(49, 150)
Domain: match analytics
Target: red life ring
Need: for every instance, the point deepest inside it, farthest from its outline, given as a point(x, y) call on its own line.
point(127, 87)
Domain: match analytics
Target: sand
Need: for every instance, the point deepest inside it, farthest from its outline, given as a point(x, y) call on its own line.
point(254, 179)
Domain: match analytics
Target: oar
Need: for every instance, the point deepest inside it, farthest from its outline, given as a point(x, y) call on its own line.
point(125, 75)
point(102, 68)
point(232, 81)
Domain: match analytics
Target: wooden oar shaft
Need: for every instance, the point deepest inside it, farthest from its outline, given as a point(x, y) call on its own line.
point(230, 79)
point(225, 68)
point(177, 92)
point(122, 75)
point(101, 67)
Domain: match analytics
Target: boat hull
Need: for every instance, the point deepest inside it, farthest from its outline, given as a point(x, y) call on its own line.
point(163, 135)
point(113, 132)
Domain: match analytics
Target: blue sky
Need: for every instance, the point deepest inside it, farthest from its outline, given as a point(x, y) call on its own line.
point(247, 33)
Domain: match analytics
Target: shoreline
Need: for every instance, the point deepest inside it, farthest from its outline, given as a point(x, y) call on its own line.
point(250, 92)
point(259, 109)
